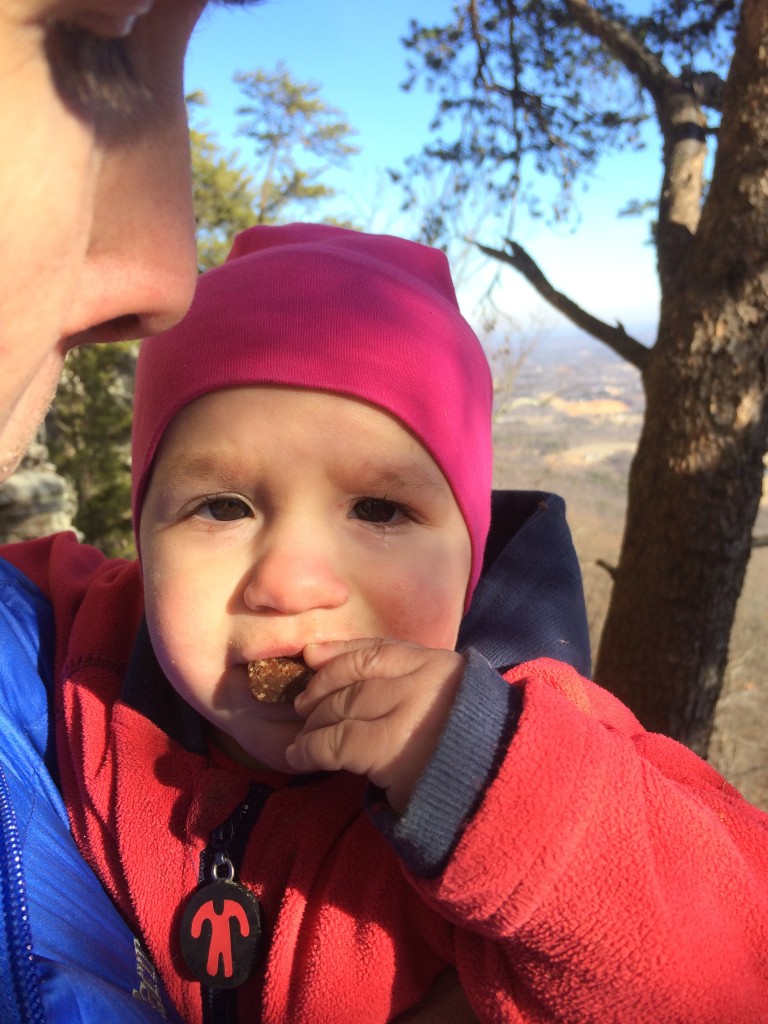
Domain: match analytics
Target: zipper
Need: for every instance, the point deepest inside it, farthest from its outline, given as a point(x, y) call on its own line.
point(24, 979)
point(229, 842)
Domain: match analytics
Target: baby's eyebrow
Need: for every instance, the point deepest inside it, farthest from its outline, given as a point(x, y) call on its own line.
point(224, 468)
point(208, 466)
point(384, 478)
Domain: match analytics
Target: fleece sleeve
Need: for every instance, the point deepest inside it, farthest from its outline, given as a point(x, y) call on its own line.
point(604, 874)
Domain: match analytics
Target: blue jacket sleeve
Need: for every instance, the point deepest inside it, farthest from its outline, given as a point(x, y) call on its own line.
point(66, 955)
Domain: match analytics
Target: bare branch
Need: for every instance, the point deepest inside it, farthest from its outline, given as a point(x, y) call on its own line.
point(707, 87)
point(683, 127)
point(625, 47)
point(610, 569)
point(474, 21)
point(760, 542)
point(533, 105)
point(616, 338)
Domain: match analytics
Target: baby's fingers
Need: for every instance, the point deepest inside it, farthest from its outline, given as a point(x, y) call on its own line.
point(346, 663)
point(361, 727)
point(385, 726)
point(349, 744)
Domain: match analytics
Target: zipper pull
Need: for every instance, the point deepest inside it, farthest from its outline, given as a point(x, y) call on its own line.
point(221, 925)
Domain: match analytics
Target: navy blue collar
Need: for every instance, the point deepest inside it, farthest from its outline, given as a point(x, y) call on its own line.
point(529, 602)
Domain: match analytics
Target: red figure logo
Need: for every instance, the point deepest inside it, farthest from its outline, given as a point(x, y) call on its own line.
point(221, 938)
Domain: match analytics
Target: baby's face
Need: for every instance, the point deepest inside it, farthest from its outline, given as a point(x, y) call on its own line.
point(277, 517)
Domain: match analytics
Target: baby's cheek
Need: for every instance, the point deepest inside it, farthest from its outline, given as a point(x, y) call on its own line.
point(426, 610)
point(438, 625)
point(180, 619)
point(444, 599)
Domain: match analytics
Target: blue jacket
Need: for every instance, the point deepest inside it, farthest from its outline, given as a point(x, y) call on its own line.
point(66, 955)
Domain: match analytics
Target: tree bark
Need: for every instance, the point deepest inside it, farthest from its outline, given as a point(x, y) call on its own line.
point(696, 479)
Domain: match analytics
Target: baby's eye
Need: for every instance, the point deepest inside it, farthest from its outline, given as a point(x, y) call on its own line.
point(377, 510)
point(224, 509)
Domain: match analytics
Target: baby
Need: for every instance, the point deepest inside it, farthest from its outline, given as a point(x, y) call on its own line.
point(312, 474)
point(312, 480)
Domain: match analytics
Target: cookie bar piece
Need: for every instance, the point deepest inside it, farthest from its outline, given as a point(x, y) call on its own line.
point(278, 680)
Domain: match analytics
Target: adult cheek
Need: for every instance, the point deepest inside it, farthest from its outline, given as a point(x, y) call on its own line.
point(141, 265)
point(140, 271)
point(22, 412)
point(46, 207)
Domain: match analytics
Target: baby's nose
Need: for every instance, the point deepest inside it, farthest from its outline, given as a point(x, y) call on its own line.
point(293, 581)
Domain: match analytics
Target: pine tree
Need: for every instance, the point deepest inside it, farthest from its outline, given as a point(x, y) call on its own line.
point(531, 95)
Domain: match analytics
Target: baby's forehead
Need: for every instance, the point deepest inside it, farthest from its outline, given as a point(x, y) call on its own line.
point(235, 432)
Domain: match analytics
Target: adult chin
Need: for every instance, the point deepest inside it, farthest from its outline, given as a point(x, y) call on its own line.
point(19, 424)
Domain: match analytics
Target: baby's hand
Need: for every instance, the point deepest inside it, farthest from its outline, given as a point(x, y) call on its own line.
point(375, 708)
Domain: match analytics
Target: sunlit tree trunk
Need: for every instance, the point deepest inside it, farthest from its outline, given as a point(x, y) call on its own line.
point(664, 647)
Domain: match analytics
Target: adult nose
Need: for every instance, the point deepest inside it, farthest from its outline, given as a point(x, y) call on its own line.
point(140, 268)
point(291, 579)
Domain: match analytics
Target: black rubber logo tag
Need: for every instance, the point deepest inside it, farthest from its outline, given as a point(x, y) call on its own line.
point(220, 933)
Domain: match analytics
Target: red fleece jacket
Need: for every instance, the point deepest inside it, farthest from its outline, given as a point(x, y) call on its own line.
point(608, 875)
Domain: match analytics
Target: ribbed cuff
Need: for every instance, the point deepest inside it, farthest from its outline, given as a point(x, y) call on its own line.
point(480, 727)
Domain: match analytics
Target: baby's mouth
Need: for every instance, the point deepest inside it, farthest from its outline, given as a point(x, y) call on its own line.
point(278, 680)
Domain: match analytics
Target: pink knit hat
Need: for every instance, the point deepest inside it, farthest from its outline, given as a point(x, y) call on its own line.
point(310, 305)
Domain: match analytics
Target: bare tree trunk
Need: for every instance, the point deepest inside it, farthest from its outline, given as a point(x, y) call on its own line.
point(705, 430)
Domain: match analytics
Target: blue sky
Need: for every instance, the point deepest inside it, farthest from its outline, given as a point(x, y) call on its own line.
point(353, 51)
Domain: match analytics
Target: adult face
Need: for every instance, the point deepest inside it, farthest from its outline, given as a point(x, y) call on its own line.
point(276, 517)
point(98, 233)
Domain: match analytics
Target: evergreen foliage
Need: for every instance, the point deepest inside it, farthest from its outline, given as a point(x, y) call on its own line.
point(530, 98)
point(88, 433)
point(296, 138)
point(223, 193)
